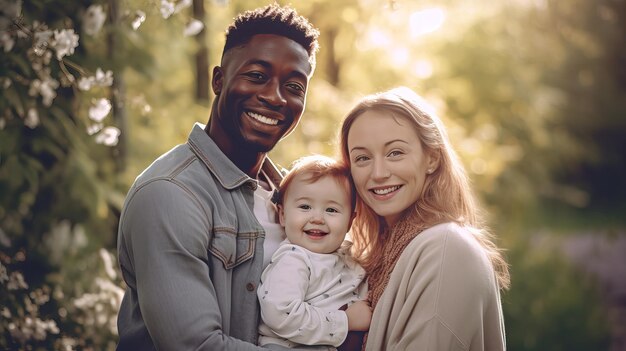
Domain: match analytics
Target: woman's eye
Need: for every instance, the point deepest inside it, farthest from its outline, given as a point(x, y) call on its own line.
point(361, 158)
point(395, 153)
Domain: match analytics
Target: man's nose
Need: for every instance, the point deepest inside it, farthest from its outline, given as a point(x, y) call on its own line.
point(271, 95)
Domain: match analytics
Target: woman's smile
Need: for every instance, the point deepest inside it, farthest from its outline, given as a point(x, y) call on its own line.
point(387, 162)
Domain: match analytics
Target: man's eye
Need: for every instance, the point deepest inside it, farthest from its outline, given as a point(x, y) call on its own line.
point(256, 75)
point(296, 87)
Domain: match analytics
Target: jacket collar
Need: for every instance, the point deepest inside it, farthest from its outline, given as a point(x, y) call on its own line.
point(224, 170)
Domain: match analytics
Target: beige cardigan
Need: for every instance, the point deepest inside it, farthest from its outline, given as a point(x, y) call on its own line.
point(442, 295)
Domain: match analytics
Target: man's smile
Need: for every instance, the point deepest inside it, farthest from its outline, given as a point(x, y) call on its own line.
point(262, 119)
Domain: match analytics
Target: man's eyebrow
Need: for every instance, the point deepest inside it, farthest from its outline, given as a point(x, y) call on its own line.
point(268, 65)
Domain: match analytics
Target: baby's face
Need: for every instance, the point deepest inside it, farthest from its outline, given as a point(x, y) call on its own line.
point(316, 215)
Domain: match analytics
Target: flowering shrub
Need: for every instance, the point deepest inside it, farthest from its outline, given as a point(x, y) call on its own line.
point(59, 206)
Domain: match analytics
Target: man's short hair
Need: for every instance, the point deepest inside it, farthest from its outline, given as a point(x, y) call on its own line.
point(273, 19)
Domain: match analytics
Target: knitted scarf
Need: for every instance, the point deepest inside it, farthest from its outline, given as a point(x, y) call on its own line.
point(396, 240)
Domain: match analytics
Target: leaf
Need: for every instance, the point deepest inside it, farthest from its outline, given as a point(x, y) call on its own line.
point(14, 100)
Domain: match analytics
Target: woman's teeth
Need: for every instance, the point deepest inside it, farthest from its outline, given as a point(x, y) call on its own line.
point(386, 190)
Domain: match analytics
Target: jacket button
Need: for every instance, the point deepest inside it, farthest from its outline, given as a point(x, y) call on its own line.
point(250, 287)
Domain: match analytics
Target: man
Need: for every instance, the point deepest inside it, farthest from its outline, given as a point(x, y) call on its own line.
point(190, 247)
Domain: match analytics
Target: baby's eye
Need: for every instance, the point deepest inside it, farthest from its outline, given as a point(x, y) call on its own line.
point(332, 210)
point(304, 207)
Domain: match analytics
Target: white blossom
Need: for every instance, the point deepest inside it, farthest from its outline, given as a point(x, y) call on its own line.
point(4, 277)
point(167, 8)
point(101, 79)
point(194, 27)
point(94, 128)
point(46, 88)
point(93, 19)
point(16, 281)
point(99, 110)
point(6, 313)
point(32, 328)
point(32, 118)
point(6, 41)
point(181, 5)
point(108, 260)
point(65, 41)
point(42, 41)
point(108, 136)
point(5, 82)
point(140, 17)
point(85, 83)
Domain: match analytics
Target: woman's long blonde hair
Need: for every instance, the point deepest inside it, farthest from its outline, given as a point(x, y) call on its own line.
point(446, 195)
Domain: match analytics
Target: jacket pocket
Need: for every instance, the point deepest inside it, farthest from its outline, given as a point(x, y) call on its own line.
point(231, 248)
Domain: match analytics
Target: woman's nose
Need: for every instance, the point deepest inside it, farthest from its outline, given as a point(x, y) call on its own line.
point(380, 170)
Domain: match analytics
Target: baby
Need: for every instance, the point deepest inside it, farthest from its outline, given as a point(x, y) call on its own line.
point(312, 277)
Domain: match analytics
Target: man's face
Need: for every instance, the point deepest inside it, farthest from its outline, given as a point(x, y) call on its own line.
point(261, 92)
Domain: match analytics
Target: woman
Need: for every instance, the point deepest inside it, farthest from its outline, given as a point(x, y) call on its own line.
point(434, 273)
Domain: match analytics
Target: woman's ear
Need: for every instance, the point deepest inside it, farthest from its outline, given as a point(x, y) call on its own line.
point(433, 161)
point(217, 81)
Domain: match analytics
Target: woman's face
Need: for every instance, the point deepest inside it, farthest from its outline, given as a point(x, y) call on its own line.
point(387, 162)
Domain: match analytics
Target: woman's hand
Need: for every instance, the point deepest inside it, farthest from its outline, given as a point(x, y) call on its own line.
point(359, 316)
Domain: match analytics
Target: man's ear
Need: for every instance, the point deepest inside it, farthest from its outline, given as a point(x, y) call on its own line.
point(217, 80)
point(281, 215)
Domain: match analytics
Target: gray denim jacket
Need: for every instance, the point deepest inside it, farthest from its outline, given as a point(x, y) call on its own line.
point(191, 253)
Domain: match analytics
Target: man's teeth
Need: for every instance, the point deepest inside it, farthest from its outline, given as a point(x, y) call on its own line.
point(263, 119)
point(386, 190)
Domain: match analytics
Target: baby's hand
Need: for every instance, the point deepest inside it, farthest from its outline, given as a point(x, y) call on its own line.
point(359, 316)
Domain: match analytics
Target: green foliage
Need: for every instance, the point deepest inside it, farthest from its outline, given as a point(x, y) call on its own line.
point(58, 202)
point(551, 304)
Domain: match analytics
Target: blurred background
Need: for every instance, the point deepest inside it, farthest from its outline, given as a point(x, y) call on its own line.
point(533, 93)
